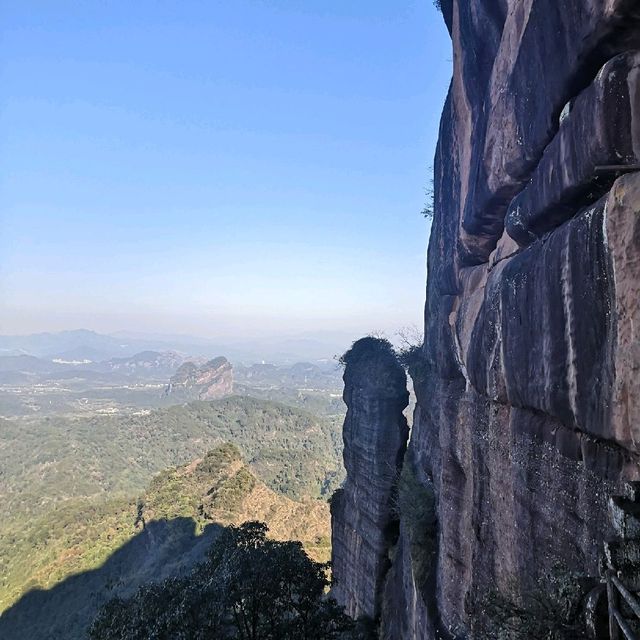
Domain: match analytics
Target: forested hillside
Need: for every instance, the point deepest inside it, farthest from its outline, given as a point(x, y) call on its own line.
point(44, 462)
point(114, 546)
point(67, 484)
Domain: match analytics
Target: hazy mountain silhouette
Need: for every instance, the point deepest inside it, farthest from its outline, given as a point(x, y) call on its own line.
point(81, 343)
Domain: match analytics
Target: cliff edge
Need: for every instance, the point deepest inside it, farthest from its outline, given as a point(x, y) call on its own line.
point(527, 422)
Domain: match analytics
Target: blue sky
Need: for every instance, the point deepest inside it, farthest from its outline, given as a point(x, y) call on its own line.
point(218, 167)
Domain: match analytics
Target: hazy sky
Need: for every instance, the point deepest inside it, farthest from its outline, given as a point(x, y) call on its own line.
point(216, 167)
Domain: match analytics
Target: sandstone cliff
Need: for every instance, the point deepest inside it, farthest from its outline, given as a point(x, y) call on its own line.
point(211, 381)
point(364, 522)
point(527, 418)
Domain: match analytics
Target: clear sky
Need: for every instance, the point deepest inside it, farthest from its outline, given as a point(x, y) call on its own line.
point(216, 167)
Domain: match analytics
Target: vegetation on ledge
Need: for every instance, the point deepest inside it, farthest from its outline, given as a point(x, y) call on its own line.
point(553, 610)
point(367, 349)
point(416, 509)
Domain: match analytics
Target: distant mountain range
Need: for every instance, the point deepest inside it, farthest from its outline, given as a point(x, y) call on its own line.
point(161, 362)
point(192, 375)
point(81, 344)
point(157, 365)
point(298, 375)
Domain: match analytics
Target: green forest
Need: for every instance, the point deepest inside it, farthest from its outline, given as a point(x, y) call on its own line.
point(249, 587)
point(86, 551)
point(76, 488)
point(55, 458)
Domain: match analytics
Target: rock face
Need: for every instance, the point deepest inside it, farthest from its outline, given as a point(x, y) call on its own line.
point(528, 405)
point(211, 381)
point(363, 515)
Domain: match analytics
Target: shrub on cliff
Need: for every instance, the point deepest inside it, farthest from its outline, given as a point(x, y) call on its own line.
point(412, 358)
point(429, 206)
point(415, 507)
point(372, 362)
point(553, 610)
point(250, 588)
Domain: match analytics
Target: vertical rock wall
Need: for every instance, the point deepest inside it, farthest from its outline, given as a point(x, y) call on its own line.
point(528, 391)
point(525, 424)
point(363, 513)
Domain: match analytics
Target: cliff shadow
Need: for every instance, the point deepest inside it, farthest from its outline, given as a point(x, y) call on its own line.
point(65, 612)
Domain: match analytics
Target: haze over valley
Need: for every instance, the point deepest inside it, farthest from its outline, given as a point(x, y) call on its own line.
point(88, 421)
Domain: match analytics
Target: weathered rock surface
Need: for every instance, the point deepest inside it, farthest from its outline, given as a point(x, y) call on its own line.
point(516, 65)
point(528, 405)
point(599, 134)
point(525, 425)
point(363, 518)
point(211, 381)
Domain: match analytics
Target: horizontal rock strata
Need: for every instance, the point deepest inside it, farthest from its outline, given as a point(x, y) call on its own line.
point(598, 138)
point(364, 523)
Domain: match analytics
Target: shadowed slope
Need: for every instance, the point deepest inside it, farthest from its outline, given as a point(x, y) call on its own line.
point(115, 547)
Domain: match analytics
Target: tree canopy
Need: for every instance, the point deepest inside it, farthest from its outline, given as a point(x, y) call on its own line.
point(249, 588)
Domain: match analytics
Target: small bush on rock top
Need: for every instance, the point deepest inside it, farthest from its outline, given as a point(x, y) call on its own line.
point(365, 349)
point(412, 358)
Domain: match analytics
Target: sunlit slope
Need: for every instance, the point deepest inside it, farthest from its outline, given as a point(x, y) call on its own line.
point(47, 461)
point(117, 545)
